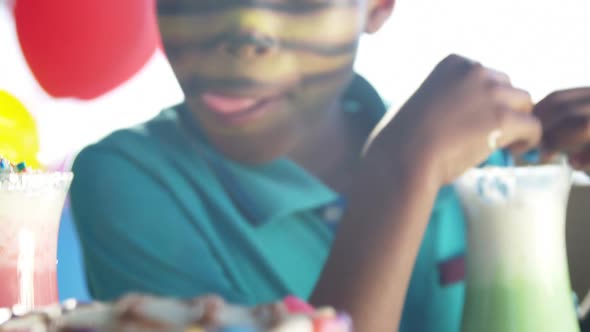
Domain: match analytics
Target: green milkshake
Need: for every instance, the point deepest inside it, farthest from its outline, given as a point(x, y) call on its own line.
point(517, 273)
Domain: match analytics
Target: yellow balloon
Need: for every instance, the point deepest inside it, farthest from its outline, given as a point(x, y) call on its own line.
point(19, 139)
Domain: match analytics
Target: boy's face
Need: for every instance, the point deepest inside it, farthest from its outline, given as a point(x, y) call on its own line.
point(258, 74)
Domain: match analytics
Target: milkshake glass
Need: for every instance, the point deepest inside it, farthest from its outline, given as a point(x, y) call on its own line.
point(517, 273)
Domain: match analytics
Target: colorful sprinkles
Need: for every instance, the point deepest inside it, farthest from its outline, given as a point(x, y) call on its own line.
point(4, 164)
point(8, 166)
point(21, 167)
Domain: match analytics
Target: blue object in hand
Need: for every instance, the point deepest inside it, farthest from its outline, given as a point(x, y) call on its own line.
point(532, 156)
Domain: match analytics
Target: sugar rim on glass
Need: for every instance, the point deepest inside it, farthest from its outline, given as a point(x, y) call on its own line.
point(35, 181)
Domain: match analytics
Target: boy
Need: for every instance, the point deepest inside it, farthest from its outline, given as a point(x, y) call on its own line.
point(255, 188)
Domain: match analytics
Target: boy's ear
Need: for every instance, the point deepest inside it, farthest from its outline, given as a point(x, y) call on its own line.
point(378, 13)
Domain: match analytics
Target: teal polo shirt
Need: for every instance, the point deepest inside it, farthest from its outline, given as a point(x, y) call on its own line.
point(159, 210)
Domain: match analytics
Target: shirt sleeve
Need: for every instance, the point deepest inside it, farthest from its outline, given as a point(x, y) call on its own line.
point(134, 236)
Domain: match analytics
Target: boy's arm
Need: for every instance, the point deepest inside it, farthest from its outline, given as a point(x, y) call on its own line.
point(373, 263)
point(134, 236)
point(460, 114)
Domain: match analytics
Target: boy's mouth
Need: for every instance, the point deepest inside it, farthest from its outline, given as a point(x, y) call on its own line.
point(236, 110)
point(227, 104)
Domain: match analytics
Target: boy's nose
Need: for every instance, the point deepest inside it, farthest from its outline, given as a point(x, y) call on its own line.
point(247, 45)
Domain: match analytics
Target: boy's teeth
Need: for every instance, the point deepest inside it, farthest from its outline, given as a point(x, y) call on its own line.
point(224, 104)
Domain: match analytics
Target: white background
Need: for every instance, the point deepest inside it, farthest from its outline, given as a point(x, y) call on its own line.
point(543, 45)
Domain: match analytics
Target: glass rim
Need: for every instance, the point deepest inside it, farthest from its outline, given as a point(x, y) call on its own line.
point(519, 169)
point(35, 180)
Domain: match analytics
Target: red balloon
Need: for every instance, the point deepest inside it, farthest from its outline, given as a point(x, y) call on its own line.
point(85, 48)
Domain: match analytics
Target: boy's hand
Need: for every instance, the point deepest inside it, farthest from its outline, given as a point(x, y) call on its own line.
point(461, 113)
point(565, 116)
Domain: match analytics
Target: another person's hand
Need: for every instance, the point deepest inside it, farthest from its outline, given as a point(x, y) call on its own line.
point(565, 117)
point(461, 113)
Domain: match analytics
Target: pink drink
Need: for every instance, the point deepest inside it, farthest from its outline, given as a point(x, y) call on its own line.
point(30, 210)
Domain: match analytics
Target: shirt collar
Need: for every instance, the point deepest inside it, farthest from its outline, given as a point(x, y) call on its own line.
point(268, 192)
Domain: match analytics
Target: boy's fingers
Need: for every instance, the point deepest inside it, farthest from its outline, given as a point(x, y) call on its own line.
point(521, 131)
point(581, 159)
point(570, 135)
point(515, 99)
point(560, 114)
point(498, 77)
point(578, 95)
point(518, 148)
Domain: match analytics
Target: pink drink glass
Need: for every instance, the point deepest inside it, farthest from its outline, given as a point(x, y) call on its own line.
point(30, 211)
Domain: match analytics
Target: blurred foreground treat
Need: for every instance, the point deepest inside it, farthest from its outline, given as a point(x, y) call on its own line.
point(147, 313)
